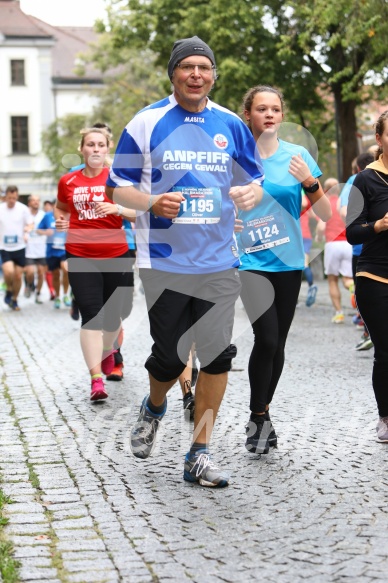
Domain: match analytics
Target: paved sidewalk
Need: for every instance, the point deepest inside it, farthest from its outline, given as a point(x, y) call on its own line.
point(86, 510)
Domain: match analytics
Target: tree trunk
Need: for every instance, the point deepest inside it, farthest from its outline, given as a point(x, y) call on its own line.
point(347, 129)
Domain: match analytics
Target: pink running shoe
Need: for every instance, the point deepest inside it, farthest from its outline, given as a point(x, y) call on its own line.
point(108, 361)
point(98, 390)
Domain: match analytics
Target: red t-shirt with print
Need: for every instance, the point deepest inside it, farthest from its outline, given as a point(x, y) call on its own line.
point(90, 234)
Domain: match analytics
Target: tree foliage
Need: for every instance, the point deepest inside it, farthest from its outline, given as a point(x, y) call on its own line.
point(327, 56)
point(320, 53)
point(344, 43)
point(60, 143)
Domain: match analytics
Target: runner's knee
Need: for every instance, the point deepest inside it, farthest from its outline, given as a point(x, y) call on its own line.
point(165, 371)
point(223, 362)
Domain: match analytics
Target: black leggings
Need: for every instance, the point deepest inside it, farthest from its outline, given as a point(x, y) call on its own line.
point(270, 329)
point(372, 301)
point(93, 282)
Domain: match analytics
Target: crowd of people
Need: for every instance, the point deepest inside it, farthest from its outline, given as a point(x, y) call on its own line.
point(217, 205)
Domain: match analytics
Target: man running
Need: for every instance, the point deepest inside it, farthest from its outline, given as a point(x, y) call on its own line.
point(184, 164)
point(15, 222)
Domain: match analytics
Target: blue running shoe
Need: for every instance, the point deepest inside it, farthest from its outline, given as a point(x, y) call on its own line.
point(357, 321)
point(143, 434)
point(8, 298)
point(14, 306)
point(311, 295)
point(200, 468)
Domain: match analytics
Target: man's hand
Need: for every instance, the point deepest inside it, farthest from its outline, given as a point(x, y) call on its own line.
point(166, 205)
point(246, 197)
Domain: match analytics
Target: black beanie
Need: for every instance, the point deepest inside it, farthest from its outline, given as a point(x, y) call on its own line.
point(186, 47)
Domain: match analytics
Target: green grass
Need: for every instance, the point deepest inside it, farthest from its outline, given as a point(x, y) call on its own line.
point(8, 565)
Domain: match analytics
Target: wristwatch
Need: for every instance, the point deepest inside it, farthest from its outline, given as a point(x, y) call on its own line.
point(312, 188)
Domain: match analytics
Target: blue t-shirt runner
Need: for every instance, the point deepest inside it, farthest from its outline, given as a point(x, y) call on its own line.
point(271, 239)
point(55, 243)
point(166, 148)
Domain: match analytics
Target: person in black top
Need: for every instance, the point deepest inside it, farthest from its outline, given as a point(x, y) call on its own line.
point(367, 223)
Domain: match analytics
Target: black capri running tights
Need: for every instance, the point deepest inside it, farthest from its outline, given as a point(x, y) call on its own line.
point(104, 296)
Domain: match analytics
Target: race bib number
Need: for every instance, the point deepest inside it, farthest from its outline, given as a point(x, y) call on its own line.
point(264, 233)
point(10, 239)
point(59, 241)
point(201, 205)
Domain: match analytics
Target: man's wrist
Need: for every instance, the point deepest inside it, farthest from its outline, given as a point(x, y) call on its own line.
point(119, 209)
point(151, 202)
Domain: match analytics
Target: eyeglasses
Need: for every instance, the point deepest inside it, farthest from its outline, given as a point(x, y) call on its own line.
point(189, 68)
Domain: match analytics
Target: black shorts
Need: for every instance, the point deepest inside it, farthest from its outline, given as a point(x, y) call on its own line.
point(54, 263)
point(17, 257)
point(184, 309)
point(36, 261)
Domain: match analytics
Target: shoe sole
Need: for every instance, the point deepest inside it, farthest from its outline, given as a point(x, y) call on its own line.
point(365, 345)
point(189, 478)
point(257, 450)
point(141, 454)
point(114, 377)
point(98, 396)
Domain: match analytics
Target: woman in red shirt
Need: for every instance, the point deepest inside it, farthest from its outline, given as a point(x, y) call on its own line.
point(99, 261)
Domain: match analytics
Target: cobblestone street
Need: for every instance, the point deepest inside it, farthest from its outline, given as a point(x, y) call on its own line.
point(85, 510)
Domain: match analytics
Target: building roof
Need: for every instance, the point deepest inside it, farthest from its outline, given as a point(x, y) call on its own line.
point(69, 42)
point(15, 24)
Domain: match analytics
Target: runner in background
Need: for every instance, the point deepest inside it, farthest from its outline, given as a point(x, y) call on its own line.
point(55, 257)
point(306, 215)
point(15, 223)
point(35, 253)
point(99, 261)
point(48, 206)
point(362, 162)
point(338, 252)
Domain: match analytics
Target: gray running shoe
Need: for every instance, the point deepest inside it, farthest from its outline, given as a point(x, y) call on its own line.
point(365, 343)
point(382, 430)
point(143, 434)
point(200, 468)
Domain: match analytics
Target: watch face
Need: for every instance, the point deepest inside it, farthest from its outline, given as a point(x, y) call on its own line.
point(313, 188)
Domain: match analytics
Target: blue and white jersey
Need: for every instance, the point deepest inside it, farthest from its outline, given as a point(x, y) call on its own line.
point(56, 242)
point(166, 148)
point(271, 239)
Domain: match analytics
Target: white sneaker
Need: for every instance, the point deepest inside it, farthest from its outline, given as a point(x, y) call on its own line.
point(382, 430)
